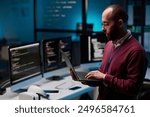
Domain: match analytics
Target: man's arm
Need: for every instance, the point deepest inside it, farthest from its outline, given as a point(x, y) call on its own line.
point(136, 65)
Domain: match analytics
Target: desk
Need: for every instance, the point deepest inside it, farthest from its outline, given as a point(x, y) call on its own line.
point(64, 92)
point(62, 84)
point(147, 76)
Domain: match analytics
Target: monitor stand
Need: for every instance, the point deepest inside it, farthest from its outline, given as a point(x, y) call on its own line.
point(55, 77)
point(3, 86)
point(2, 91)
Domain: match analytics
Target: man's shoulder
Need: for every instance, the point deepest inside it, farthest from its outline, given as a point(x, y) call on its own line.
point(134, 44)
point(109, 43)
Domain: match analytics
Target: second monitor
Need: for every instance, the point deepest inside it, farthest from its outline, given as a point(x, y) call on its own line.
point(51, 55)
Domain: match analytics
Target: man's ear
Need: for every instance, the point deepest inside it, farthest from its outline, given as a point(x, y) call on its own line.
point(120, 23)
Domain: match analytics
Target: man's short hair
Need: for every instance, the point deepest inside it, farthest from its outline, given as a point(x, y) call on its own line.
point(118, 13)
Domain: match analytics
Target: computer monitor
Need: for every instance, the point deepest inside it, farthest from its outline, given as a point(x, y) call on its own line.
point(50, 54)
point(52, 58)
point(25, 65)
point(4, 68)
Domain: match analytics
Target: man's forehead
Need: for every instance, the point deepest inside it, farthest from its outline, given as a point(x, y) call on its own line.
point(107, 12)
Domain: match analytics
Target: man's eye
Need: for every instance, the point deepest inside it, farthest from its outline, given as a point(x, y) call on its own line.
point(105, 24)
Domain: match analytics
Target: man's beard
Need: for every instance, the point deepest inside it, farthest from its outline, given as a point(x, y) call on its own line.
point(114, 34)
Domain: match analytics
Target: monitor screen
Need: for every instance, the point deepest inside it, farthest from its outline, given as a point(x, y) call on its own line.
point(55, 14)
point(25, 65)
point(51, 54)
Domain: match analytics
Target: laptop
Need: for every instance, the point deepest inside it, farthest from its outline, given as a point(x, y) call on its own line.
point(78, 75)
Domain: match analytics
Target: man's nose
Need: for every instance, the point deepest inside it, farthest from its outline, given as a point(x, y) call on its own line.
point(103, 29)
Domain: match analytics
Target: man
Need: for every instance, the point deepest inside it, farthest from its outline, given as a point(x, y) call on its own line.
point(124, 63)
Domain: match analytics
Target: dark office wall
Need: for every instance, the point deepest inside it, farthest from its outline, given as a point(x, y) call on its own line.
point(1, 24)
point(16, 20)
point(1, 20)
point(95, 9)
point(121, 2)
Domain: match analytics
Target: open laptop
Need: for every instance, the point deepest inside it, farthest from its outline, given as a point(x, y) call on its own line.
point(78, 75)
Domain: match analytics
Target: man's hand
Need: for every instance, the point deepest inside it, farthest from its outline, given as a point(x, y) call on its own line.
point(95, 75)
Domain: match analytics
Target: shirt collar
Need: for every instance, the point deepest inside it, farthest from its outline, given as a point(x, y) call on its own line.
point(123, 39)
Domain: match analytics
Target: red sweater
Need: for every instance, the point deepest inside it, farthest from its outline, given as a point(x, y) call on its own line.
point(125, 72)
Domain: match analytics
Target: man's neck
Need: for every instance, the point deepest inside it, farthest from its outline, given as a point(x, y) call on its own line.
point(122, 34)
point(120, 41)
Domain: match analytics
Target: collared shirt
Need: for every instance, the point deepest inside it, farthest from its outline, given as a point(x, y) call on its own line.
point(121, 41)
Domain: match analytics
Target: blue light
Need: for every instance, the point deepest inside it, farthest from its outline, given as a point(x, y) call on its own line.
point(95, 9)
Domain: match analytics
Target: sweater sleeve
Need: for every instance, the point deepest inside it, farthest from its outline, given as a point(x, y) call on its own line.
point(135, 74)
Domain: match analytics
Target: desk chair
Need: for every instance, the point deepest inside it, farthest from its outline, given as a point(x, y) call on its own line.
point(145, 93)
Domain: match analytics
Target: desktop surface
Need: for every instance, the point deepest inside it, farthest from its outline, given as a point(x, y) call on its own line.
point(68, 89)
point(63, 88)
point(64, 85)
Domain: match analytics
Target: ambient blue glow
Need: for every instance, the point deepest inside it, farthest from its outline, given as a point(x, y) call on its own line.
point(95, 8)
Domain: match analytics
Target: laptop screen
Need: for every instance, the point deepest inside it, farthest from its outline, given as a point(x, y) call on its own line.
point(66, 59)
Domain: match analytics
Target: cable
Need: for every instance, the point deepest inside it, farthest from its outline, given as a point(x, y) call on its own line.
point(3, 87)
point(43, 96)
